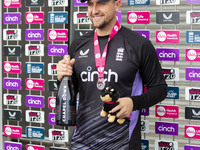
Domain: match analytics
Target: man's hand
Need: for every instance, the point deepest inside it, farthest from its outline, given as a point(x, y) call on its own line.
point(64, 68)
point(125, 107)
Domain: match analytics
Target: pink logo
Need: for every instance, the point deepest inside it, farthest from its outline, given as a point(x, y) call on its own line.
point(34, 17)
point(52, 102)
point(192, 132)
point(58, 35)
point(165, 111)
point(192, 54)
point(13, 131)
point(34, 147)
point(138, 17)
point(12, 67)
point(167, 36)
point(35, 84)
point(11, 3)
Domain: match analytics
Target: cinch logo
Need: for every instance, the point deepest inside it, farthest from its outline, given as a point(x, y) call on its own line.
point(166, 129)
point(11, 84)
point(163, 54)
point(192, 74)
point(57, 50)
point(88, 76)
point(12, 19)
point(34, 35)
point(9, 147)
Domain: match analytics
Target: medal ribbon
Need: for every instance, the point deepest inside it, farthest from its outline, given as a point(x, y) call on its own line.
point(101, 60)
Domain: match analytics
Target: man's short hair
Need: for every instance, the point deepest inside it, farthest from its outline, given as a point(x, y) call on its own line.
point(82, 1)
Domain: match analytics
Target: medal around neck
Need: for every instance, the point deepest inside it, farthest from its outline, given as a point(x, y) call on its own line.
point(101, 84)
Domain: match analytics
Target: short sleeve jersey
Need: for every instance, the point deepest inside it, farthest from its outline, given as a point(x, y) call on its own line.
point(131, 62)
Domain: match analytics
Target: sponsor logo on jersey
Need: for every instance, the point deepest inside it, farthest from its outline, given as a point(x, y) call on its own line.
point(34, 147)
point(58, 135)
point(89, 75)
point(167, 36)
point(167, 18)
point(11, 3)
point(12, 51)
point(34, 101)
point(35, 132)
point(51, 118)
point(144, 33)
point(32, 3)
point(34, 68)
point(13, 131)
point(166, 111)
point(192, 74)
point(12, 34)
point(138, 2)
point(166, 145)
point(138, 17)
point(34, 84)
point(172, 93)
point(192, 54)
point(167, 2)
point(120, 54)
point(193, 1)
point(34, 34)
point(12, 83)
point(34, 49)
point(34, 17)
point(192, 113)
point(12, 99)
point(12, 67)
point(12, 114)
point(58, 17)
point(192, 93)
point(11, 18)
point(12, 146)
point(191, 147)
point(78, 3)
point(193, 17)
point(52, 69)
point(58, 35)
point(168, 54)
point(144, 126)
point(193, 36)
point(81, 18)
point(52, 85)
point(52, 102)
point(34, 116)
point(192, 132)
point(166, 128)
point(84, 53)
point(171, 74)
point(145, 112)
point(57, 3)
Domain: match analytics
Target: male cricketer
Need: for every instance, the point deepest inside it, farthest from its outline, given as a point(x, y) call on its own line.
point(111, 55)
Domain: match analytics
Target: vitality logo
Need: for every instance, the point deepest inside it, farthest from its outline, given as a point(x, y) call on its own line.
point(12, 34)
point(35, 116)
point(12, 99)
point(138, 17)
point(11, 3)
point(58, 135)
point(81, 18)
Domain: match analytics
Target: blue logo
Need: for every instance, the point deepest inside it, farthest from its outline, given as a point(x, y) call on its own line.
point(58, 17)
point(172, 93)
point(145, 144)
point(138, 2)
point(193, 36)
point(35, 132)
point(34, 68)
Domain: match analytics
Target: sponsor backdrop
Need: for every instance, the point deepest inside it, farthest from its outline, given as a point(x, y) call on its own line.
point(36, 35)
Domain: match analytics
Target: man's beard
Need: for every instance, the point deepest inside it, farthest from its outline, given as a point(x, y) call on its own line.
point(101, 26)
